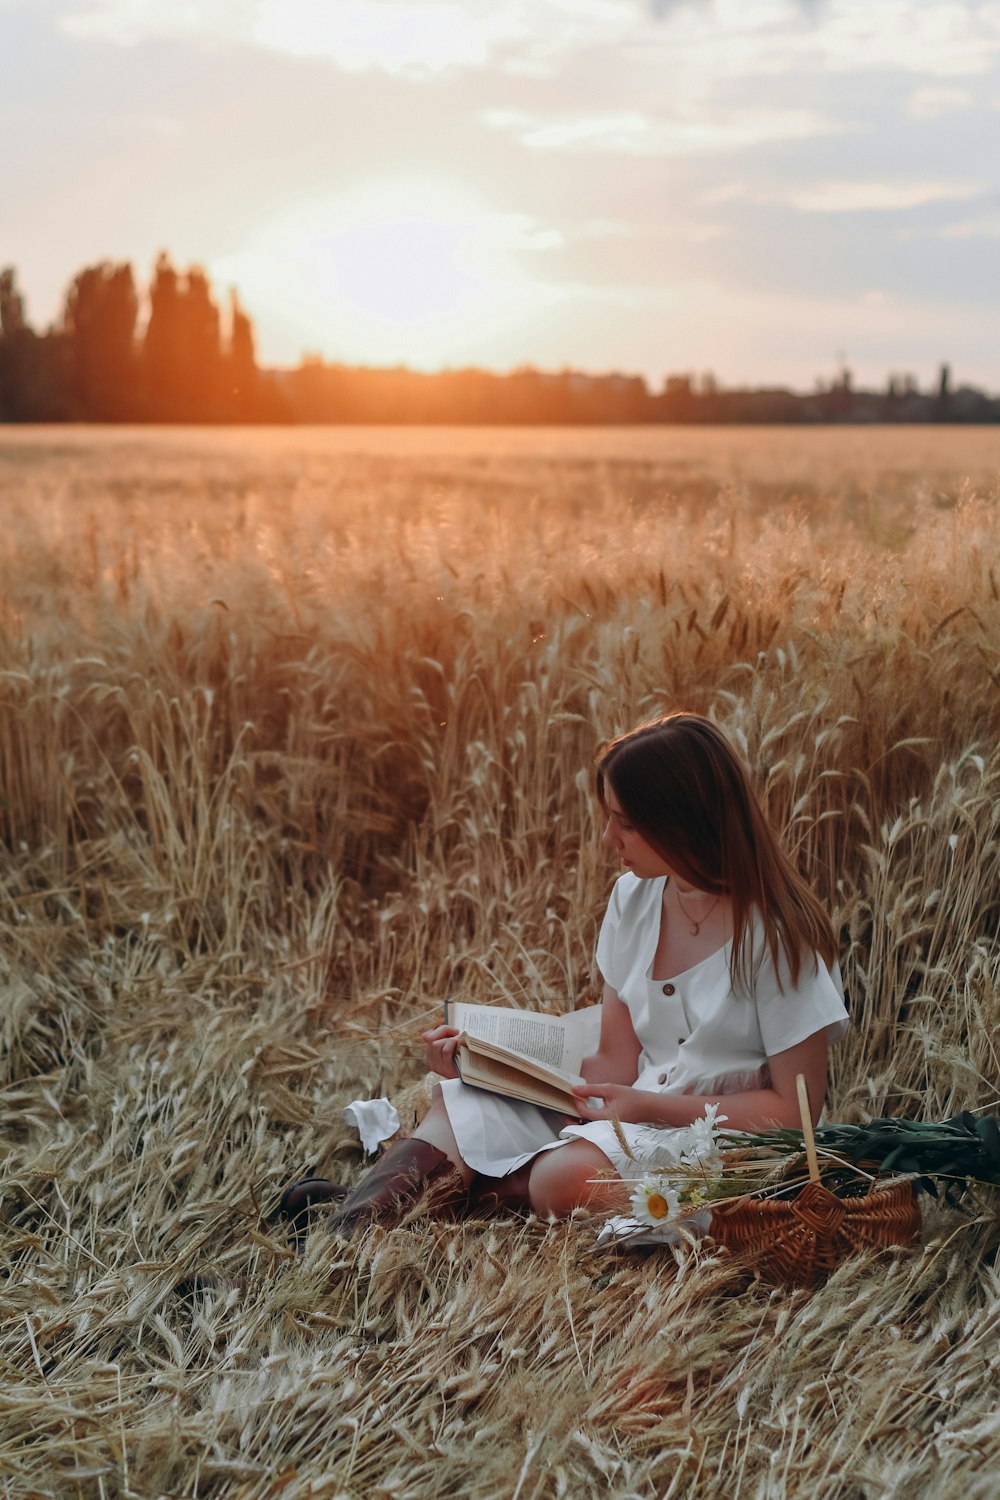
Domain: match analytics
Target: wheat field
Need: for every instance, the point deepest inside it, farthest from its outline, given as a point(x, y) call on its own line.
point(296, 735)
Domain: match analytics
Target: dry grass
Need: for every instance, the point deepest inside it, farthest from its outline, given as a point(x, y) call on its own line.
point(295, 739)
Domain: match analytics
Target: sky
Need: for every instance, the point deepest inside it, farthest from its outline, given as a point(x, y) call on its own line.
point(768, 190)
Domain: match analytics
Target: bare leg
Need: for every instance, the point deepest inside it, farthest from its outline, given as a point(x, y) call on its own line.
point(565, 1179)
point(559, 1180)
point(435, 1128)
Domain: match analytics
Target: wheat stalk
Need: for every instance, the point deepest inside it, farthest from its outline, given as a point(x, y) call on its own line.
point(294, 738)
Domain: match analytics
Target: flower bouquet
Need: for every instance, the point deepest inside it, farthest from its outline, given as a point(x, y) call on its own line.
point(794, 1203)
point(673, 1200)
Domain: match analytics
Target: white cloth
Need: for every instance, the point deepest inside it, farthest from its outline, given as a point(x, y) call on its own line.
point(629, 1233)
point(375, 1120)
point(697, 1035)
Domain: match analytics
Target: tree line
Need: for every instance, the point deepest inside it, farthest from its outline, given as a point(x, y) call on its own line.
point(187, 364)
point(321, 392)
point(180, 360)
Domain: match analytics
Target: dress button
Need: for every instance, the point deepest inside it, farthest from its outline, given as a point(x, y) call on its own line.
point(668, 989)
point(663, 1078)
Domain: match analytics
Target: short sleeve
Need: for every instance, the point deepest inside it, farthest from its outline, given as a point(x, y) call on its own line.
point(789, 1015)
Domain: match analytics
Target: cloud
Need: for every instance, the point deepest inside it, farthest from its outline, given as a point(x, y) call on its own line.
point(638, 134)
point(126, 23)
point(660, 9)
point(935, 37)
point(624, 132)
point(932, 103)
point(396, 36)
point(699, 39)
point(876, 197)
point(730, 39)
point(413, 37)
point(849, 197)
point(986, 228)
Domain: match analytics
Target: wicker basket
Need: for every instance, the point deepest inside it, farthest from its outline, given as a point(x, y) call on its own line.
point(800, 1241)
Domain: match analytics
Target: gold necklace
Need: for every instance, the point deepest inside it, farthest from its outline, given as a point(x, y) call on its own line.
point(695, 926)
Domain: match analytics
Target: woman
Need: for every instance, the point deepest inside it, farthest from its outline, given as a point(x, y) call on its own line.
point(720, 984)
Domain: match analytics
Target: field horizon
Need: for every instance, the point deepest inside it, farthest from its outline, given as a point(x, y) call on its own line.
point(296, 739)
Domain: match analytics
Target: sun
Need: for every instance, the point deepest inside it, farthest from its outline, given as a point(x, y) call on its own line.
point(402, 254)
point(414, 270)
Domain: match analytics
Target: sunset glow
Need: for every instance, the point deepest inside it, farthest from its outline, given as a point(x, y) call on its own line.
point(414, 266)
point(763, 189)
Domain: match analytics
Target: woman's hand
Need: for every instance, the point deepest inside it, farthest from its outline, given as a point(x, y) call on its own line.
point(439, 1051)
point(618, 1102)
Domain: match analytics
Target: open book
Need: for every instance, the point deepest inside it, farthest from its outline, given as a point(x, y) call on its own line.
point(522, 1053)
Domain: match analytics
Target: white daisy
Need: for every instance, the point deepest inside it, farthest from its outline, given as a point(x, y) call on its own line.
point(700, 1148)
point(655, 1202)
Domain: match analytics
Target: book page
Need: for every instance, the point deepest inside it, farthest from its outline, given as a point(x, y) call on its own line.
point(477, 1046)
point(502, 1078)
point(554, 1041)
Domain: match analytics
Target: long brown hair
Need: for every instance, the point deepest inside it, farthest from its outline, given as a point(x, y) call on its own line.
point(679, 781)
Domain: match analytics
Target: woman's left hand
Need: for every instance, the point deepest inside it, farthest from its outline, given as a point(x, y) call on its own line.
point(618, 1102)
point(439, 1050)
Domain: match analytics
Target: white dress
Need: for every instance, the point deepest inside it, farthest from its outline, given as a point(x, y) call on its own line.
point(698, 1036)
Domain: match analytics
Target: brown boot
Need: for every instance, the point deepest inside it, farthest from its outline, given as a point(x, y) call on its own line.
point(491, 1195)
point(407, 1172)
point(298, 1201)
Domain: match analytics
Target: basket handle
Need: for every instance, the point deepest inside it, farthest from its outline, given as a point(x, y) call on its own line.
point(807, 1127)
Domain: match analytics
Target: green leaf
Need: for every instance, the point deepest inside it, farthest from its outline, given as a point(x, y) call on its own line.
point(988, 1131)
point(901, 1158)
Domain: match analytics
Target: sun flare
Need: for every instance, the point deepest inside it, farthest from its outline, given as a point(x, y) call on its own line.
point(401, 258)
point(417, 270)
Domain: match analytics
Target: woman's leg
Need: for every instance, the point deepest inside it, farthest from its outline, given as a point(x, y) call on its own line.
point(435, 1128)
point(555, 1182)
point(577, 1175)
